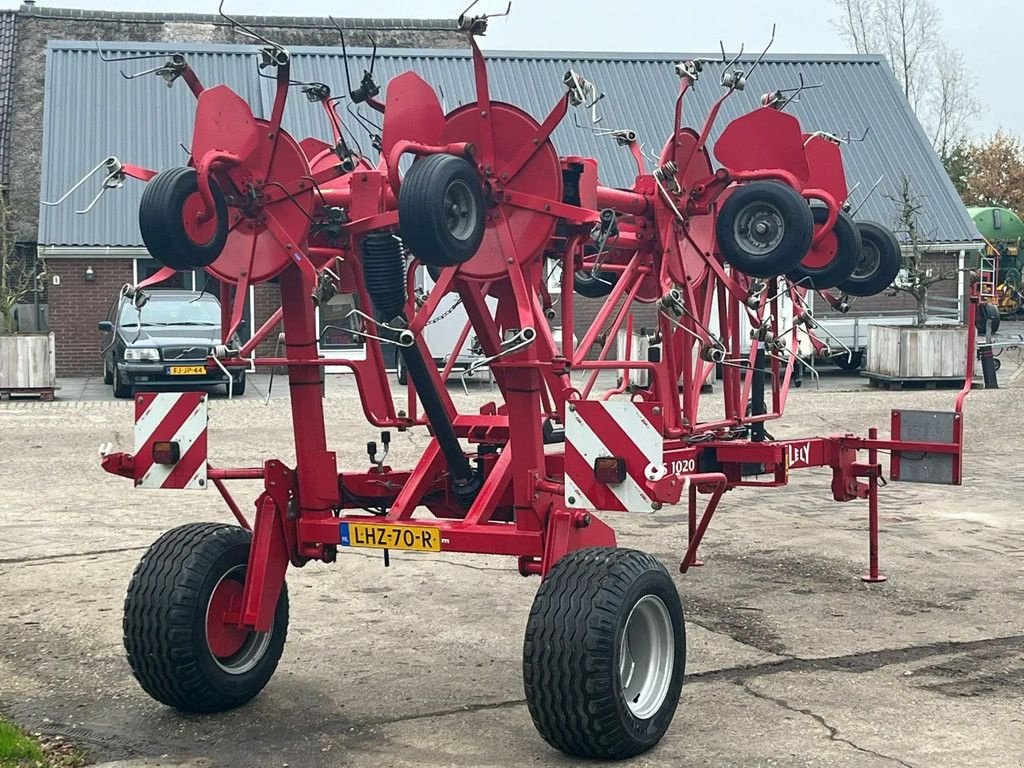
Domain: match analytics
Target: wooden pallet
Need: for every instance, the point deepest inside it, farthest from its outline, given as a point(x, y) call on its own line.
point(42, 393)
point(895, 383)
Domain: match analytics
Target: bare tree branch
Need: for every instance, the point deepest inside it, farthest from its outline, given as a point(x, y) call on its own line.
point(19, 274)
point(933, 77)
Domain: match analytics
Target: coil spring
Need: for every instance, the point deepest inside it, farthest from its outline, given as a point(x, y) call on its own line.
point(667, 171)
point(384, 273)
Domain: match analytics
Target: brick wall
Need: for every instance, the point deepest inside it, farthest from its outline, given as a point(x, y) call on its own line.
point(36, 25)
point(884, 302)
point(77, 305)
point(266, 301)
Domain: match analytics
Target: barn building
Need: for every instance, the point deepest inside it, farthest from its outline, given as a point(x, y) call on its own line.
point(66, 107)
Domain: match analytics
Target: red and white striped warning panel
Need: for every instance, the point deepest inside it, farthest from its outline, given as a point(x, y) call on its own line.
point(170, 440)
point(611, 430)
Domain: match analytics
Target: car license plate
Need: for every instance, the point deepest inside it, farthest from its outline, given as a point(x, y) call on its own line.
point(419, 538)
point(187, 370)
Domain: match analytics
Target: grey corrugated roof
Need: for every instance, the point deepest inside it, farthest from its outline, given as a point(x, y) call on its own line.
point(90, 112)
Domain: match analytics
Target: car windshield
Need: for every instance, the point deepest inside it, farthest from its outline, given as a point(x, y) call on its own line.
point(172, 310)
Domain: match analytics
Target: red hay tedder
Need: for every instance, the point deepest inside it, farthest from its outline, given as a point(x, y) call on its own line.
point(487, 205)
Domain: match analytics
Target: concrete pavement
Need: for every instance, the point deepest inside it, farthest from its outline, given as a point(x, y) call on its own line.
point(792, 660)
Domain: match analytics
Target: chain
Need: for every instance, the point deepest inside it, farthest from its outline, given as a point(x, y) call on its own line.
point(444, 314)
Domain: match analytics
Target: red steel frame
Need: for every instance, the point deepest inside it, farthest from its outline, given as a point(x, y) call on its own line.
point(663, 251)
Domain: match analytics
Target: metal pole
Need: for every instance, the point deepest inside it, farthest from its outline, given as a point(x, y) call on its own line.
point(873, 576)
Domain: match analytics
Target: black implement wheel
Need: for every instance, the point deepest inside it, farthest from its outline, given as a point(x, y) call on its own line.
point(441, 210)
point(764, 229)
point(171, 220)
point(604, 653)
point(180, 648)
point(834, 261)
point(851, 363)
point(987, 313)
point(592, 286)
point(880, 261)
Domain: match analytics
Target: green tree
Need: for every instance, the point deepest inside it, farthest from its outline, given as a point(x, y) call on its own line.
point(960, 163)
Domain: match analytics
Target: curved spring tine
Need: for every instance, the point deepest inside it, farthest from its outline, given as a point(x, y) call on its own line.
point(246, 31)
point(514, 344)
point(79, 183)
point(406, 338)
point(763, 54)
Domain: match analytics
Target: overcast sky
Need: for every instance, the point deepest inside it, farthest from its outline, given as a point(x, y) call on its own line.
point(986, 31)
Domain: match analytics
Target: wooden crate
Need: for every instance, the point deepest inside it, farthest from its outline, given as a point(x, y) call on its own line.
point(907, 352)
point(27, 362)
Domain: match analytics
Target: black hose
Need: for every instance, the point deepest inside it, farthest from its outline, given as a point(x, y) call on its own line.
point(384, 274)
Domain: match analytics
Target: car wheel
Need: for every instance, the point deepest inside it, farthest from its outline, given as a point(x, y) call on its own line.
point(239, 387)
point(108, 377)
point(121, 391)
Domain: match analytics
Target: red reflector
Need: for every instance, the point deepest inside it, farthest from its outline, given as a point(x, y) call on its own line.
point(610, 470)
point(166, 452)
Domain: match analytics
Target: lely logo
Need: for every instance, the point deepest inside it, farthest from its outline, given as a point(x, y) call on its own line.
point(799, 454)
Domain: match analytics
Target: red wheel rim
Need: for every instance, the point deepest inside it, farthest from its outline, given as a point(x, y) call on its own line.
point(821, 255)
point(223, 638)
point(200, 223)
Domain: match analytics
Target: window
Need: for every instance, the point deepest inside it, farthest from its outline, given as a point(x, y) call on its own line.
point(171, 310)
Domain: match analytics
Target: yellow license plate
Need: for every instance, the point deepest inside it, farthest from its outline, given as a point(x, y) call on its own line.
point(187, 370)
point(419, 538)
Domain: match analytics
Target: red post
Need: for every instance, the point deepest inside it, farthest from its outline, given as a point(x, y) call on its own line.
point(692, 525)
point(873, 576)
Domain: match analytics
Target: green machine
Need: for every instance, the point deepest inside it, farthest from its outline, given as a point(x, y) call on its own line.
point(1003, 231)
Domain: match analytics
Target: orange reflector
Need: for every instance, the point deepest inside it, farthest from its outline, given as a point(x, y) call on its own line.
point(166, 452)
point(610, 470)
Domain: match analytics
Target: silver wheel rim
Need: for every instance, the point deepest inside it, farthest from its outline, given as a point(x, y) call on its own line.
point(869, 260)
point(646, 657)
point(255, 645)
point(460, 210)
point(759, 228)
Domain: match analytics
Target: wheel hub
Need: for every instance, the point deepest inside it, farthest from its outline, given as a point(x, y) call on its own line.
point(646, 657)
point(235, 650)
point(759, 228)
point(460, 210)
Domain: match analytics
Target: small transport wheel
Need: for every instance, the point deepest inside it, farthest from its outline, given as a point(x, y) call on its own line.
point(108, 377)
point(604, 653)
point(174, 223)
point(987, 313)
point(835, 259)
point(764, 229)
point(400, 371)
point(592, 286)
point(880, 261)
point(441, 210)
point(180, 647)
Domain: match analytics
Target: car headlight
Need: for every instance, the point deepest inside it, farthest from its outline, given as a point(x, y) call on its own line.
point(141, 353)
